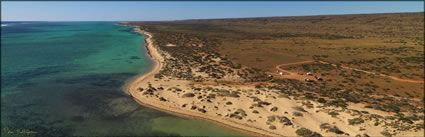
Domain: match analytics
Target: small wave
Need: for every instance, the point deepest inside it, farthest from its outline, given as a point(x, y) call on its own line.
point(3, 25)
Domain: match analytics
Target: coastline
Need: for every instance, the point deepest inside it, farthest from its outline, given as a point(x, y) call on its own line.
point(165, 97)
point(145, 53)
point(131, 89)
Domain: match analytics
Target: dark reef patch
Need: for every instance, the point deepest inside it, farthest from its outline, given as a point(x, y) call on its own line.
point(77, 118)
point(134, 57)
point(107, 81)
point(22, 77)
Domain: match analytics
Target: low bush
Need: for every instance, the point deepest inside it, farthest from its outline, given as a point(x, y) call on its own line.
point(188, 95)
point(297, 114)
point(304, 132)
point(321, 100)
point(386, 134)
point(333, 113)
point(272, 127)
point(355, 121)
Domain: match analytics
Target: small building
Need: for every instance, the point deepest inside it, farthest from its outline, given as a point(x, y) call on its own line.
point(308, 80)
point(309, 73)
point(280, 73)
point(319, 78)
point(270, 76)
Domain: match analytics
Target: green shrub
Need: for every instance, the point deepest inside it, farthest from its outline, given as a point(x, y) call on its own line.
point(315, 134)
point(335, 129)
point(188, 95)
point(405, 119)
point(338, 103)
point(386, 134)
point(264, 103)
point(231, 94)
point(272, 127)
point(352, 99)
point(299, 108)
point(235, 116)
point(321, 100)
point(271, 118)
point(368, 106)
point(297, 114)
point(325, 125)
point(393, 108)
point(355, 121)
point(257, 86)
point(211, 96)
point(273, 109)
point(333, 113)
point(304, 132)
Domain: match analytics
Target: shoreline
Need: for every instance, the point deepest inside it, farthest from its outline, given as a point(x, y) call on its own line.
point(131, 89)
point(169, 98)
point(156, 64)
point(147, 54)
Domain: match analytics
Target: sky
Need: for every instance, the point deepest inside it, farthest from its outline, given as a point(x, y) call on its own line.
point(160, 11)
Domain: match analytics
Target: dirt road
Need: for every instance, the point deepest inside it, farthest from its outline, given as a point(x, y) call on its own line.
point(292, 75)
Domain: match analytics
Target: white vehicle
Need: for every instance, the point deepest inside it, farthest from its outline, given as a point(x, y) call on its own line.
point(308, 80)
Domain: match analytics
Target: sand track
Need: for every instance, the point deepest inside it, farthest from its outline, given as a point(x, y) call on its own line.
point(391, 77)
point(293, 75)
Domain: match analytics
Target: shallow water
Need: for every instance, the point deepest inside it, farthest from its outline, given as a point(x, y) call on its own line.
point(65, 79)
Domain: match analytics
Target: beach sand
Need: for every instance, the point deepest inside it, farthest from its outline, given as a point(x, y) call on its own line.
point(131, 88)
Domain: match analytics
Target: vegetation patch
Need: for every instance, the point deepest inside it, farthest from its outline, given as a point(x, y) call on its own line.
point(355, 121)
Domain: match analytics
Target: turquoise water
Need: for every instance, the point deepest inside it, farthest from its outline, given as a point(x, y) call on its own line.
point(65, 79)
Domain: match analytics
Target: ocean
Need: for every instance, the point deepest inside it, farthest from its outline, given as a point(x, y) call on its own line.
point(66, 79)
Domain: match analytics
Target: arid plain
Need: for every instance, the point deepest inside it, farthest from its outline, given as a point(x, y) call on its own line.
point(352, 75)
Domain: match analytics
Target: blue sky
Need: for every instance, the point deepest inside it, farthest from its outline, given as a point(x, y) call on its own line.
point(152, 11)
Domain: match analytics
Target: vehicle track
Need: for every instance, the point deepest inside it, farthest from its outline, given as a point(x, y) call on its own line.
point(293, 75)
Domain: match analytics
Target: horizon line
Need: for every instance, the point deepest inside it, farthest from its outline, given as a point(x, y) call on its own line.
point(312, 15)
